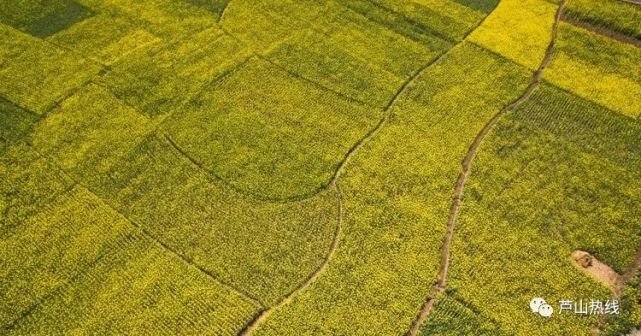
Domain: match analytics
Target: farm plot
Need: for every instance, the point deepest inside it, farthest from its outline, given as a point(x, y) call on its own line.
point(447, 19)
point(269, 133)
point(105, 38)
point(366, 50)
point(155, 293)
point(27, 183)
point(76, 257)
point(170, 20)
point(555, 176)
point(36, 75)
point(619, 16)
point(597, 68)
point(89, 131)
point(42, 18)
point(15, 122)
point(263, 249)
point(263, 24)
point(161, 79)
point(51, 247)
point(397, 192)
point(354, 56)
point(519, 30)
point(106, 145)
point(215, 6)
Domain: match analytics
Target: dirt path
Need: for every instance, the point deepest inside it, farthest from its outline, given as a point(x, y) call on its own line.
point(633, 270)
point(441, 284)
point(341, 165)
point(634, 2)
point(260, 317)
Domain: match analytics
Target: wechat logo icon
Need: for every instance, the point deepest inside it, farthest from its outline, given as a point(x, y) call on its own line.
point(538, 305)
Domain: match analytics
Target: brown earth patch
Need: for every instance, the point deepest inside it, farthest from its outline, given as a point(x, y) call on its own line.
point(597, 270)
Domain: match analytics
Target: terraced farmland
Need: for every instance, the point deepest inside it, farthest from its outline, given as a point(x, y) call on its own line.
point(333, 167)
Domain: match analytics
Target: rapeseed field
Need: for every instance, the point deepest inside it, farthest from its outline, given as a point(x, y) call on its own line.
point(320, 167)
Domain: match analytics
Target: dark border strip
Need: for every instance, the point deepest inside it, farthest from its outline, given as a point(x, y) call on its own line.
point(603, 31)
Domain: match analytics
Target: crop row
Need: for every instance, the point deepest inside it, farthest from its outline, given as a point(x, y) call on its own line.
point(78, 259)
point(36, 75)
point(276, 136)
point(597, 68)
point(452, 316)
point(619, 16)
point(397, 193)
point(264, 248)
point(541, 188)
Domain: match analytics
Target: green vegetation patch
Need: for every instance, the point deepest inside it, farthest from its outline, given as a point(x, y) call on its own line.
point(138, 288)
point(540, 189)
point(420, 19)
point(89, 132)
point(452, 316)
point(35, 74)
point(485, 6)
point(105, 38)
point(15, 121)
point(160, 79)
point(42, 18)
point(27, 183)
point(265, 249)
point(606, 149)
point(397, 193)
point(275, 135)
point(619, 16)
point(52, 247)
point(356, 57)
point(519, 30)
point(214, 6)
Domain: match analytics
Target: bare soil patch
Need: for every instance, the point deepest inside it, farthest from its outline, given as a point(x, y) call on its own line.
point(596, 269)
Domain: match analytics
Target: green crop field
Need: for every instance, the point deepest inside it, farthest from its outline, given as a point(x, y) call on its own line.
point(319, 167)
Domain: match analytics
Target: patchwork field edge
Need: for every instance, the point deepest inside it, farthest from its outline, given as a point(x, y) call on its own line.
point(158, 242)
point(264, 313)
point(441, 284)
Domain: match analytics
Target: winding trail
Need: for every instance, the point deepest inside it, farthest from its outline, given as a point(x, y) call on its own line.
point(263, 314)
point(441, 284)
point(260, 317)
point(341, 164)
point(633, 2)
